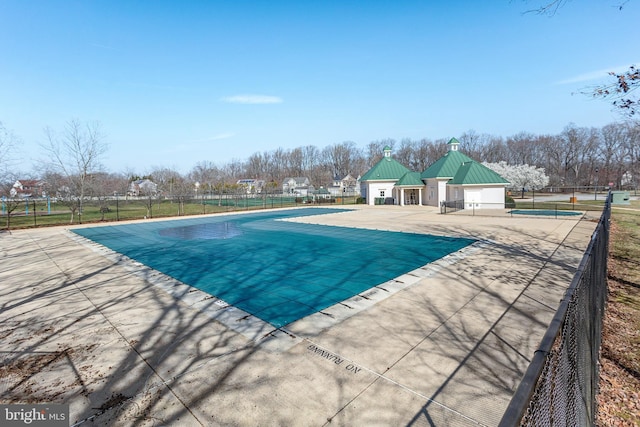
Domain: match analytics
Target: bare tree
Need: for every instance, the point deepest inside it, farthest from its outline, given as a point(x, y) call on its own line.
point(207, 174)
point(105, 187)
point(9, 204)
point(305, 161)
point(578, 152)
point(8, 146)
point(295, 162)
point(633, 142)
point(620, 91)
point(277, 165)
point(375, 149)
point(552, 6)
point(75, 153)
point(8, 153)
point(521, 149)
point(494, 150)
point(472, 143)
point(55, 186)
point(406, 153)
point(613, 151)
point(149, 192)
point(311, 158)
point(418, 155)
point(341, 159)
point(164, 178)
point(258, 165)
point(234, 170)
point(426, 154)
point(549, 8)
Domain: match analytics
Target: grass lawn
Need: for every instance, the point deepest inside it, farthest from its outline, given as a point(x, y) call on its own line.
point(619, 399)
point(58, 214)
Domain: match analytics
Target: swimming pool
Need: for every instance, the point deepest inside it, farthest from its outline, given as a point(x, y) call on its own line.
point(278, 271)
point(544, 212)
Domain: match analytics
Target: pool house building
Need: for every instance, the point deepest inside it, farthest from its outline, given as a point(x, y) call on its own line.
point(454, 177)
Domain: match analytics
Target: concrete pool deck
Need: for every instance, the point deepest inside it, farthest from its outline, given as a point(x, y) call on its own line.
point(448, 347)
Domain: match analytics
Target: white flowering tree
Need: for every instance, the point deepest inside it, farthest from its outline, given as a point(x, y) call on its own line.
point(521, 177)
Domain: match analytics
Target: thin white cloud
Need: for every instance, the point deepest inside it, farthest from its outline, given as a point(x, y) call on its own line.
point(253, 99)
point(594, 75)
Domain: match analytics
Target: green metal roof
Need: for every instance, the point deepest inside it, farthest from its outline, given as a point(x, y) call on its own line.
point(446, 166)
point(455, 167)
point(410, 179)
point(472, 172)
point(386, 169)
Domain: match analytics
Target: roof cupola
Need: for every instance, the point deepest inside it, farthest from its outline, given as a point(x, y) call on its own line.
point(453, 144)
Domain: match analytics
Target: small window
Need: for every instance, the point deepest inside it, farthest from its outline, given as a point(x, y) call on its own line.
point(381, 193)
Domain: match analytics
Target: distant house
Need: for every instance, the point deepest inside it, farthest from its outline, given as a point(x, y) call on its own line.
point(299, 186)
point(27, 188)
point(321, 193)
point(253, 186)
point(142, 187)
point(347, 186)
point(453, 177)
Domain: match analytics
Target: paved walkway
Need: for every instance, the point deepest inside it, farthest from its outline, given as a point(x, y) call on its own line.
point(443, 345)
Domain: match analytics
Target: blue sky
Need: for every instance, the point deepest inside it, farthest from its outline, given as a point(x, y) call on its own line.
point(175, 83)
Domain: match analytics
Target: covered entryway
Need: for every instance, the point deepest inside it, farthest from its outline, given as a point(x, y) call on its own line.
point(410, 196)
point(410, 188)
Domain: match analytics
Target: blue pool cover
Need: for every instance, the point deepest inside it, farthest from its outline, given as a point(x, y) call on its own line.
point(278, 271)
point(544, 212)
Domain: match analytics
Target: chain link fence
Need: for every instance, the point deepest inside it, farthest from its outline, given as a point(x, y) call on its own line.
point(451, 206)
point(40, 212)
point(560, 385)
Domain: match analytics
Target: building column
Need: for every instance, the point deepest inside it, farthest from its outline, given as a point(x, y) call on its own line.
point(419, 196)
point(401, 196)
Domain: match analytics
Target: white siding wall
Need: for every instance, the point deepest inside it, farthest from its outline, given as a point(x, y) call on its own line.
point(482, 197)
point(454, 192)
point(494, 197)
point(476, 197)
point(473, 198)
point(442, 192)
point(432, 193)
point(374, 188)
